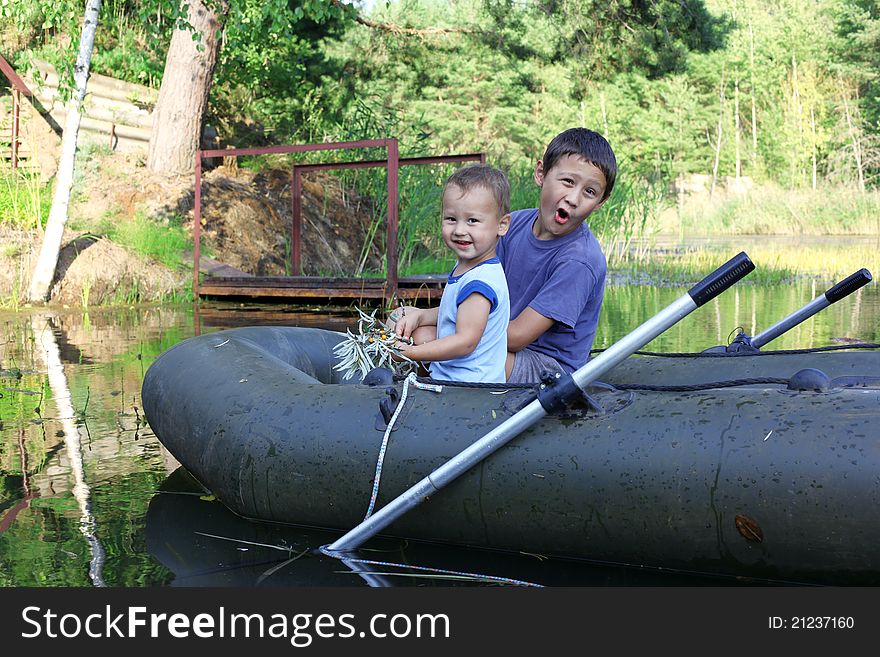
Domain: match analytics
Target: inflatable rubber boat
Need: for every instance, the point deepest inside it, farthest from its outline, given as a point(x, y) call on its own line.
point(763, 465)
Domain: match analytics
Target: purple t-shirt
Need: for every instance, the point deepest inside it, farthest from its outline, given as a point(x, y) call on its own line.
point(562, 279)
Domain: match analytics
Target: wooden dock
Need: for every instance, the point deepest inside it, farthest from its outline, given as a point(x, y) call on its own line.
point(221, 281)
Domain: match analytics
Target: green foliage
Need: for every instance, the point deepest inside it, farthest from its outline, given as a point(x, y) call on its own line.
point(24, 200)
point(770, 210)
point(783, 91)
point(163, 242)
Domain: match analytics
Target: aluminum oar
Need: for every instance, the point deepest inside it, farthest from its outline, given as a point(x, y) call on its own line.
point(844, 288)
point(567, 388)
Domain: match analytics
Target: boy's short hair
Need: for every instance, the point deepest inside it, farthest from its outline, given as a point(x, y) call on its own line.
point(591, 146)
point(483, 175)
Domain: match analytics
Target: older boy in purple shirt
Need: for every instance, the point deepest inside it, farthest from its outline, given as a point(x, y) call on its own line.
point(555, 268)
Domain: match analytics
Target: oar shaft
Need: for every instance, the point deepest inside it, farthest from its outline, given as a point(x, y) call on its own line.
point(790, 322)
point(844, 288)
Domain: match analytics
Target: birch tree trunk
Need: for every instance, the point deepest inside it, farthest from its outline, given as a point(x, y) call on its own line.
point(854, 138)
point(752, 90)
point(798, 117)
point(738, 167)
point(813, 145)
point(718, 136)
point(44, 271)
point(186, 84)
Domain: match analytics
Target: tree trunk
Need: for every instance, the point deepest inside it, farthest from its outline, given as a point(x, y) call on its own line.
point(798, 114)
point(718, 136)
point(186, 83)
point(856, 143)
point(44, 271)
point(738, 167)
point(813, 144)
point(752, 85)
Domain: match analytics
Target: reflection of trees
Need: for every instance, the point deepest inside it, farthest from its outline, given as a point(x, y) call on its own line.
point(104, 359)
point(753, 307)
point(48, 348)
point(7, 518)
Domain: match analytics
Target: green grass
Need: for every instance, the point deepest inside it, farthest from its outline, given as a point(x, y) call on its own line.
point(775, 262)
point(164, 243)
point(770, 210)
point(24, 200)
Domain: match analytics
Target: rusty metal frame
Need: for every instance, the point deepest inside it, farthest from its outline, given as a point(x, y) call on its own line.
point(18, 88)
point(392, 163)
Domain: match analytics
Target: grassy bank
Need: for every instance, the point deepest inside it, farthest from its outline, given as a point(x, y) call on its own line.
point(775, 261)
point(24, 200)
point(770, 210)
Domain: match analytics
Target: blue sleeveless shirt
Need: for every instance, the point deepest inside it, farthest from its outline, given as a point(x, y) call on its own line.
point(486, 363)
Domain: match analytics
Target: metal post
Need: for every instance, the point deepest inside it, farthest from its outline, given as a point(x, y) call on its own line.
point(391, 243)
point(296, 222)
point(197, 224)
point(16, 111)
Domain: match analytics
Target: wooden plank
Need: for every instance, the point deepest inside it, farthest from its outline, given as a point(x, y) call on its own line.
point(424, 289)
point(207, 289)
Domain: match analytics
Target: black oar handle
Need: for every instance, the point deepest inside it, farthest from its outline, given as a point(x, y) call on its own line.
point(848, 285)
point(721, 279)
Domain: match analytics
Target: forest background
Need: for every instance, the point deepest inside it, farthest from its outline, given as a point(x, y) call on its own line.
point(739, 117)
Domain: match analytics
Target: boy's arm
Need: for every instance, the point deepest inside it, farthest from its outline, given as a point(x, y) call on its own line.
point(526, 328)
point(470, 322)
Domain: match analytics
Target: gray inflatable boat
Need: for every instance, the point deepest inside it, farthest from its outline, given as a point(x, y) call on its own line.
point(763, 465)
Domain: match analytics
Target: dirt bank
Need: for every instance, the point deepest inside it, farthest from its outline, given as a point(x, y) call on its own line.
point(246, 223)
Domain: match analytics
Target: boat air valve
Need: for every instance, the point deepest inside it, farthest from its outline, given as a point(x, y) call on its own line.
point(742, 343)
point(810, 379)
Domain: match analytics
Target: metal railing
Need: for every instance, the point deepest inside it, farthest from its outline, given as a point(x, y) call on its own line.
point(392, 163)
point(18, 88)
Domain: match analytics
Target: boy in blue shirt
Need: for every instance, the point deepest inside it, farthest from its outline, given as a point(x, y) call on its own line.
point(555, 267)
point(465, 338)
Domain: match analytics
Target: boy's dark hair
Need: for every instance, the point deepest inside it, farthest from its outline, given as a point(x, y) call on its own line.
point(482, 175)
point(587, 144)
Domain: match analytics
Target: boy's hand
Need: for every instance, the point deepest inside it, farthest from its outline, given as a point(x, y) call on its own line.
point(409, 318)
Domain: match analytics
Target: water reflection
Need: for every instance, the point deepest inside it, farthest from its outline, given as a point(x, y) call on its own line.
point(46, 348)
point(205, 544)
point(80, 469)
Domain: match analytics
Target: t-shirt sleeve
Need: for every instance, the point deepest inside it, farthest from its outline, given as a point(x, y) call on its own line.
point(479, 287)
point(565, 293)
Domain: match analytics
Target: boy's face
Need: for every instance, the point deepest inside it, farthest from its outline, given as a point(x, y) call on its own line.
point(472, 224)
point(570, 192)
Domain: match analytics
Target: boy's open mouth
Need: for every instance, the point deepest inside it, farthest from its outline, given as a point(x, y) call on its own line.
point(562, 216)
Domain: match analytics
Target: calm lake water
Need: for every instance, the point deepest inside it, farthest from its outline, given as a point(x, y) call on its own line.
point(89, 497)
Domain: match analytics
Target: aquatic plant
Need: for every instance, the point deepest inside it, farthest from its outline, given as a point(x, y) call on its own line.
point(374, 345)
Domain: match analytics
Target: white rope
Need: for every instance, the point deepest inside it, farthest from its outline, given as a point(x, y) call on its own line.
point(410, 380)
